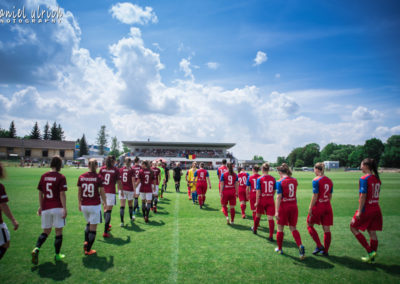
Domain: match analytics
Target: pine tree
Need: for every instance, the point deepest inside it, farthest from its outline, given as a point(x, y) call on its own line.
point(61, 135)
point(114, 147)
point(46, 132)
point(12, 131)
point(83, 147)
point(35, 133)
point(102, 140)
point(54, 132)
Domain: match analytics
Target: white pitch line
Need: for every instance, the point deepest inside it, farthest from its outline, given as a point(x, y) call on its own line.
point(175, 244)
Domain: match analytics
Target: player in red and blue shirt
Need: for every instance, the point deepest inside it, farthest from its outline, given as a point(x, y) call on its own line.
point(251, 189)
point(368, 216)
point(220, 171)
point(228, 192)
point(266, 186)
point(243, 177)
point(320, 210)
point(201, 178)
point(286, 211)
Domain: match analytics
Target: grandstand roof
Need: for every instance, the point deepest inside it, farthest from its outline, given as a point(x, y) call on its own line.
point(178, 144)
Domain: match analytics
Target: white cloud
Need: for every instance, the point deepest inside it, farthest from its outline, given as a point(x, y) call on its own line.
point(129, 13)
point(184, 66)
point(213, 65)
point(362, 113)
point(261, 57)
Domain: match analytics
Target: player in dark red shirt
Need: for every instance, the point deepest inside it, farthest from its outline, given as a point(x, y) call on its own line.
point(5, 234)
point(156, 175)
point(52, 207)
point(228, 192)
point(320, 210)
point(126, 175)
point(286, 211)
point(220, 171)
point(146, 182)
point(90, 188)
point(110, 175)
point(368, 215)
point(243, 177)
point(251, 190)
point(201, 178)
point(136, 169)
point(266, 186)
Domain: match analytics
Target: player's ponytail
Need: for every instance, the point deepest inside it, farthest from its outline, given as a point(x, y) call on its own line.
point(284, 168)
point(265, 167)
point(136, 160)
point(256, 168)
point(109, 162)
point(372, 166)
point(230, 168)
point(92, 165)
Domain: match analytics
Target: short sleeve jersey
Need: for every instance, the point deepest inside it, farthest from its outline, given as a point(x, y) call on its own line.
point(190, 174)
point(267, 185)
point(3, 199)
point(126, 175)
point(201, 175)
point(156, 173)
point(322, 186)
point(287, 186)
point(110, 178)
point(162, 174)
point(371, 186)
point(229, 180)
point(136, 169)
point(51, 184)
point(177, 172)
point(243, 177)
point(221, 170)
point(252, 182)
point(146, 180)
point(90, 183)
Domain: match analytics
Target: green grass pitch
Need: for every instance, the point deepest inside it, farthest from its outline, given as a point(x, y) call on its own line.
point(183, 244)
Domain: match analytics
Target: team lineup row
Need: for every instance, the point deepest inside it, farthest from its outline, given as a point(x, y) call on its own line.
point(134, 181)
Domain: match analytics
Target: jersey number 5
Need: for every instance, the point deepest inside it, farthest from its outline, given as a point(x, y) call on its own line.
point(49, 191)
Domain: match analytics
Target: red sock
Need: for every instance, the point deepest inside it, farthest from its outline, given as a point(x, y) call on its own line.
point(189, 193)
point(271, 225)
point(374, 245)
point(242, 207)
point(232, 214)
point(200, 200)
point(279, 239)
point(361, 239)
point(256, 223)
point(254, 215)
point(225, 210)
point(327, 240)
point(297, 238)
point(314, 235)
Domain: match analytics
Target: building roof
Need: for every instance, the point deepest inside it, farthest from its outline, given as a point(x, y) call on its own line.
point(193, 145)
point(37, 144)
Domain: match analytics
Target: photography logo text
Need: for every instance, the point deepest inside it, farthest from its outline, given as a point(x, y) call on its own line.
point(38, 15)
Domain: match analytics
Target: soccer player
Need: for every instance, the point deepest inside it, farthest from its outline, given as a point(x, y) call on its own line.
point(266, 186)
point(90, 189)
point(177, 177)
point(220, 171)
point(166, 171)
point(156, 175)
point(127, 178)
point(368, 215)
point(136, 169)
point(243, 177)
point(286, 211)
point(52, 207)
point(110, 175)
point(251, 190)
point(320, 210)
point(228, 192)
point(5, 235)
point(147, 183)
point(162, 177)
point(190, 180)
point(201, 178)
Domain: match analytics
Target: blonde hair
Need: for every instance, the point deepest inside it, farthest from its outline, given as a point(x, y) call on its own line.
point(284, 168)
point(265, 167)
point(320, 166)
point(93, 165)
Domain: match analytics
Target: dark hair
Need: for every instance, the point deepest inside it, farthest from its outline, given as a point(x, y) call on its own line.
point(136, 159)
point(202, 165)
point(230, 167)
point(240, 169)
point(371, 164)
point(265, 167)
point(224, 161)
point(2, 172)
point(284, 168)
point(256, 168)
point(128, 161)
point(109, 162)
point(147, 166)
point(56, 163)
point(93, 165)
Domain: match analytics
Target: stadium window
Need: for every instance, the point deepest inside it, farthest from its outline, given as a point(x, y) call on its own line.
point(27, 153)
point(62, 153)
point(45, 153)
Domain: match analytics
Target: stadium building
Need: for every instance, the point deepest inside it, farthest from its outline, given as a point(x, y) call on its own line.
point(211, 154)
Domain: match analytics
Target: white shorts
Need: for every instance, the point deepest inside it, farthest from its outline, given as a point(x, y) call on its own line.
point(146, 196)
point(137, 190)
point(155, 191)
point(92, 213)
point(4, 234)
point(110, 199)
point(123, 194)
point(52, 218)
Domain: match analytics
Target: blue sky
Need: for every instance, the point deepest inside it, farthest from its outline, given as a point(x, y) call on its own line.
point(268, 75)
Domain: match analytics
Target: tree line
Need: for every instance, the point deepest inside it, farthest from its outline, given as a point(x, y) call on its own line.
point(49, 133)
point(386, 154)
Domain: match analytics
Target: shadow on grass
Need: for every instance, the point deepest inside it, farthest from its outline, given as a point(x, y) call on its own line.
point(56, 271)
point(134, 228)
point(116, 241)
point(391, 269)
point(161, 212)
point(98, 262)
point(208, 208)
point(155, 223)
point(310, 262)
point(354, 263)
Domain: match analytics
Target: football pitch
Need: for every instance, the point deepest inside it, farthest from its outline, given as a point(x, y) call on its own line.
point(184, 244)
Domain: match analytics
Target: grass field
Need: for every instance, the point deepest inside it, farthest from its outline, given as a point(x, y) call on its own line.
point(187, 245)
